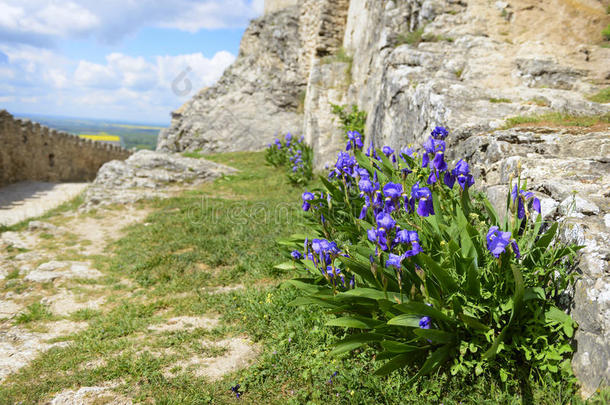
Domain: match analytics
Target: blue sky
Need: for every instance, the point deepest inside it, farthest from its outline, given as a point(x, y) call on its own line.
point(115, 59)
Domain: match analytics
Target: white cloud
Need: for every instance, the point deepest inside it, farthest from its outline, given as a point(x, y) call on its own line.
point(124, 86)
point(43, 22)
point(93, 75)
point(35, 76)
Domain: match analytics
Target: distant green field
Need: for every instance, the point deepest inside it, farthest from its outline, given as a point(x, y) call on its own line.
point(133, 135)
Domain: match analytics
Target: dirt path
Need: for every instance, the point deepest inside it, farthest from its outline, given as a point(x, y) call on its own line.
point(30, 199)
point(49, 283)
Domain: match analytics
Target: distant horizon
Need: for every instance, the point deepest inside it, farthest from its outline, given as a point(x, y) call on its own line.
point(31, 116)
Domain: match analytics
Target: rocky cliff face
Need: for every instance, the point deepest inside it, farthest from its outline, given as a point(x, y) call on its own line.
point(465, 64)
point(256, 98)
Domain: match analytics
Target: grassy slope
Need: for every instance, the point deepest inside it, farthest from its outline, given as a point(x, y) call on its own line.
point(224, 234)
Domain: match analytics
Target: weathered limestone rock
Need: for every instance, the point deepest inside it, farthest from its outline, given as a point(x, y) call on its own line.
point(569, 169)
point(18, 347)
point(55, 269)
point(271, 6)
point(256, 99)
point(327, 84)
point(90, 395)
point(148, 174)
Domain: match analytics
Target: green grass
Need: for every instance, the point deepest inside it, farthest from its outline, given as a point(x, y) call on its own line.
point(410, 38)
point(540, 102)
point(194, 155)
point(416, 37)
point(603, 96)
point(499, 100)
point(34, 312)
point(559, 119)
point(606, 33)
point(225, 233)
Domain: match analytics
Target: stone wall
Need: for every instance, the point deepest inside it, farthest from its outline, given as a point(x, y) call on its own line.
point(30, 151)
point(321, 29)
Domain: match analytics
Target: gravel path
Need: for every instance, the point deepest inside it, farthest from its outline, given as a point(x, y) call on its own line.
point(31, 199)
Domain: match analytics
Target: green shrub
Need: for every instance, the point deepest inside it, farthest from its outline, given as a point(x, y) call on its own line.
point(427, 273)
point(351, 120)
point(293, 154)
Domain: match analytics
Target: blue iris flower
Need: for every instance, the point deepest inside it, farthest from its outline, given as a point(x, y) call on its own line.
point(296, 255)
point(449, 179)
point(497, 241)
point(440, 133)
point(367, 186)
point(385, 221)
point(345, 165)
point(371, 152)
point(389, 152)
point(236, 391)
point(307, 197)
point(425, 206)
point(436, 148)
point(392, 190)
point(405, 236)
point(394, 260)
point(462, 174)
point(354, 140)
point(524, 197)
point(425, 322)
point(406, 151)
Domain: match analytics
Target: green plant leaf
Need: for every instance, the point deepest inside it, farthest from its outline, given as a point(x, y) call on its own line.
point(446, 282)
point(411, 321)
point(372, 294)
point(359, 268)
point(473, 322)
point(421, 309)
point(302, 301)
point(355, 341)
point(557, 315)
point(548, 236)
point(517, 304)
point(491, 212)
point(398, 347)
point(308, 287)
point(436, 335)
point(433, 362)
point(534, 293)
point(357, 322)
point(291, 265)
point(395, 363)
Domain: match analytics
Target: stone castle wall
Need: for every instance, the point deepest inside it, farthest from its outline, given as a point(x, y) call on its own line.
point(30, 151)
